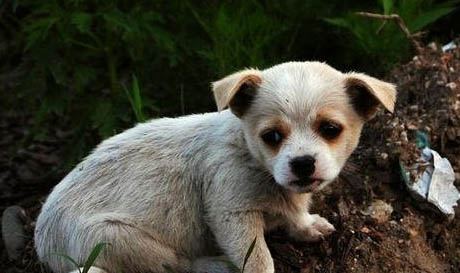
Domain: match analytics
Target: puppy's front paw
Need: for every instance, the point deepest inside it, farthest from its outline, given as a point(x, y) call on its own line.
point(315, 228)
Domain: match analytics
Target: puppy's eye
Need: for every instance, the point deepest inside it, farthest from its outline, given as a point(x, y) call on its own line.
point(329, 130)
point(272, 137)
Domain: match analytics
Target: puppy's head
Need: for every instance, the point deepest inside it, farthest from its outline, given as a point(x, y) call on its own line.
point(302, 120)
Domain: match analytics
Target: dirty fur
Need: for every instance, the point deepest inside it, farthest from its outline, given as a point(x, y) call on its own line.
point(175, 193)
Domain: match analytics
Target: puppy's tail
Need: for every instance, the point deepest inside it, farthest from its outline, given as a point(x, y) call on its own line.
point(92, 269)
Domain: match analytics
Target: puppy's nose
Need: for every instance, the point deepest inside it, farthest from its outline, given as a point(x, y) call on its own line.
point(303, 166)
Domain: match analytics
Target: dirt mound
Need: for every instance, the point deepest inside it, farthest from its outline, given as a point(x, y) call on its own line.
point(412, 239)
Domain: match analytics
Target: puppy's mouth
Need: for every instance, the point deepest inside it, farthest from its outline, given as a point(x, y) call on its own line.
point(308, 183)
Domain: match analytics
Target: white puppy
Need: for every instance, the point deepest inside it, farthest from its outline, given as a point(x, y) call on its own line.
point(170, 194)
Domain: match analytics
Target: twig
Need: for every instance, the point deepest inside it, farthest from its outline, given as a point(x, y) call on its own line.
point(400, 22)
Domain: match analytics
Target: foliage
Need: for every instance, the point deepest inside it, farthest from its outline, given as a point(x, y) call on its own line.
point(78, 53)
point(241, 36)
point(70, 62)
point(95, 252)
point(81, 48)
point(384, 42)
point(135, 99)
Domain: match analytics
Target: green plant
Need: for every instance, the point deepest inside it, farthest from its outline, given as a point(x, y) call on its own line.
point(248, 254)
point(135, 99)
point(382, 42)
point(89, 261)
point(96, 251)
point(241, 36)
point(66, 62)
point(78, 53)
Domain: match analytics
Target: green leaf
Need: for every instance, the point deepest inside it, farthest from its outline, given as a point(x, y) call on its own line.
point(387, 6)
point(70, 260)
point(38, 31)
point(103, 117)
point(449, 4)
point(137, 94)
point(338, 21)
point(93, 256)
point(116, 18)
point(135, 99)
point(82, 21)
point(428, 17)
point(248, 253)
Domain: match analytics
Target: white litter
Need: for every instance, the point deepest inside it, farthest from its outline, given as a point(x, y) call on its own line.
point(449, 46)
point(436, 183)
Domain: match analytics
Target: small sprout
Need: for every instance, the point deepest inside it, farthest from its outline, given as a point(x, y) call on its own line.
point(248, 253)
point(93, 256)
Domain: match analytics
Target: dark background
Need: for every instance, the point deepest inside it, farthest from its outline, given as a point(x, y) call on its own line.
point(69, 65)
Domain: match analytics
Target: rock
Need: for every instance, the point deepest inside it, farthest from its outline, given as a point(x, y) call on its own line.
point(452, 85)
point(13, 232)
point(344, 211)
point(379, 211)
point(403, 137)
point(433, 46)
point(365, 230)
point(382, 160)
point(25, 174)
point(413, 233)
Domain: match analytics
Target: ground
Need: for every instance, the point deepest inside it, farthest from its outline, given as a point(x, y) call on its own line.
point(396, 234)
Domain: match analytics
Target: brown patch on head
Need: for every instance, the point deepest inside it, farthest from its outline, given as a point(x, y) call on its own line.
point(346, 120)
point(333, 117)
point(278, 125)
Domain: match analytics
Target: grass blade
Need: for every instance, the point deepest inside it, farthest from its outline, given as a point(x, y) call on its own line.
point(93, 256)
point(387, 6)
point(428, 17)
point(70, 260)
point(248, 253)
point(135, 99)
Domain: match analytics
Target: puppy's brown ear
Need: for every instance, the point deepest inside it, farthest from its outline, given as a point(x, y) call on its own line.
point(367, 93)
point(237, 91)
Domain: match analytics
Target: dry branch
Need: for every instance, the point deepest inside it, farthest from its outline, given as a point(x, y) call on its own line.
point(412, 37)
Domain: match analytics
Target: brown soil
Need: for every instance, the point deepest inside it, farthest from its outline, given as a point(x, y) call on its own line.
point(411, 238)
point(415, 238)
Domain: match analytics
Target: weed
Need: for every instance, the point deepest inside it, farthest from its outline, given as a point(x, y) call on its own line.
point(66, 62)
point(384, 43)
point(135, 99)
point(248, 254)
point(89, 261)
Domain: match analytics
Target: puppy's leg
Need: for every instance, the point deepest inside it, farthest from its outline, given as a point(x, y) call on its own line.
point(235, 232)
point(131, 248)
point(310, 227)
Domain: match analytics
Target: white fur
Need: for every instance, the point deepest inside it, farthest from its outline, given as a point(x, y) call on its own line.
point(170, 194)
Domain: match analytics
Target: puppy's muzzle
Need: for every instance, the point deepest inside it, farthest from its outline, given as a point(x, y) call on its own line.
point(303, 167)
